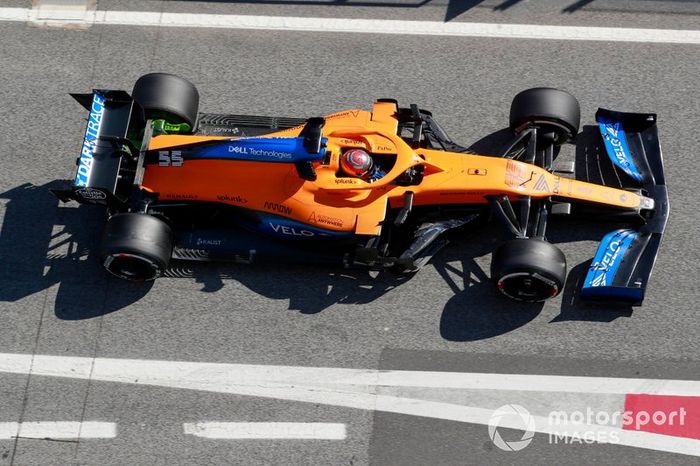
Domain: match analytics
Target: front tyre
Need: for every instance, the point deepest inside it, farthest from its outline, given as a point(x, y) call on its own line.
point(531, 270)
point(136, 247)
point(553, 110)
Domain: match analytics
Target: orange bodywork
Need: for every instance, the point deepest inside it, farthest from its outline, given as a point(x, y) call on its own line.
point(351, 204)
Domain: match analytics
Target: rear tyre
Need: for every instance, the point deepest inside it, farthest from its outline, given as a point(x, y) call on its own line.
point(554, 110)
point(169, 97)
point(530, 270)
point(136, 247)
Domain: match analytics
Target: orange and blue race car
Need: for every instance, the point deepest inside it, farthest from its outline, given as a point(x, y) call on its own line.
point(382, 189)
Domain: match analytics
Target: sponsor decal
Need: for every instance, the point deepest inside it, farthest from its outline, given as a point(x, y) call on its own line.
point(617, 148)
point(238, 150)
point(326, 220)
point(345, 181)
point(516, 175)
point(613, 136)
point(87, 153)
point(262, 153)
point(351, 142)
point(348, 113)
point(224, 129)
point(282, 209)
point(541, 184)
point(181, 196)
point(170, 159)
point(259, 149)
point(557, 182)
point(290, 231)
point(609, 257)
point(383, 148)
point(208, 242)
point(91, 194)
point(232, 198)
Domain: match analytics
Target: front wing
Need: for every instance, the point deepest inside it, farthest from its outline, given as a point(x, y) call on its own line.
point(623, 263)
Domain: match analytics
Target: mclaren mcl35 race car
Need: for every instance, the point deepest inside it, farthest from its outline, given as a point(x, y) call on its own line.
point(380, 189)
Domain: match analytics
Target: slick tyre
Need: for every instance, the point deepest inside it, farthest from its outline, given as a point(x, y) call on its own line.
point(169, 97)
point(529, 270)
point(136, 247)
point(555, 111)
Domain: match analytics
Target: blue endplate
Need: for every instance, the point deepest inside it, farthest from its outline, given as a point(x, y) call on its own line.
point(288, 150)
point(617, 147)
point(609, 274)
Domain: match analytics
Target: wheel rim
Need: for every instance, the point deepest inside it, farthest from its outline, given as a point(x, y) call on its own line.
point(131, 267)
point(527, 286)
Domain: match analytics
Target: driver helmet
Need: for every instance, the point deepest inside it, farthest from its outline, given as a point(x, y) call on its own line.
point(357, 162)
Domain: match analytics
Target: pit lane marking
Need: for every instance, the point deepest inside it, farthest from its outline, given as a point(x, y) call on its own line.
point(356, 25)
point(267, 430)
point(413, 393)
point(58, 430)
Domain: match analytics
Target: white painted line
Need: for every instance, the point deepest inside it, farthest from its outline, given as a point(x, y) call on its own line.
point(371, 390)
point(58, 430)
point(205, 375)
point(375, 26)
point(267, 430)
point(16, 14)
point(61, 10)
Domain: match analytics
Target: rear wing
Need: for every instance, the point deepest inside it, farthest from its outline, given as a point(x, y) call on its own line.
point(623, 263)
point(117, 136)
point(112, 114)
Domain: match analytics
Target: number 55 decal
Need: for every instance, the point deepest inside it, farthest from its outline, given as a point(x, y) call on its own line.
point(170, 159)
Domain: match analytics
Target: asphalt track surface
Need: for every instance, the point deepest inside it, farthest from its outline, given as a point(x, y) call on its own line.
point(55, 300)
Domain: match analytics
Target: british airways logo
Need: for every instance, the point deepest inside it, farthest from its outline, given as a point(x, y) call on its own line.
point(90, 142)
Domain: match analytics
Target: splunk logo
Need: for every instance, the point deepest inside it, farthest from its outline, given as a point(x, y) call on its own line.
point(90, 142)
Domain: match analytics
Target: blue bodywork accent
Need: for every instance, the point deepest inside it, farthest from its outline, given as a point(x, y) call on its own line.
point(616, 146)
point(609, 257)
point(280, 227)
point(92, 132)
point(258, 150)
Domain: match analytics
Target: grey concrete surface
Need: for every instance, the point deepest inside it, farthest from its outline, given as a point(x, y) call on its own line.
point(667, 14)
point(54, 299)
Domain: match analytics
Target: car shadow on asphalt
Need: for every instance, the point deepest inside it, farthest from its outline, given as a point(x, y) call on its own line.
point(309, 289)
point(43, 246)
point(477, 311)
